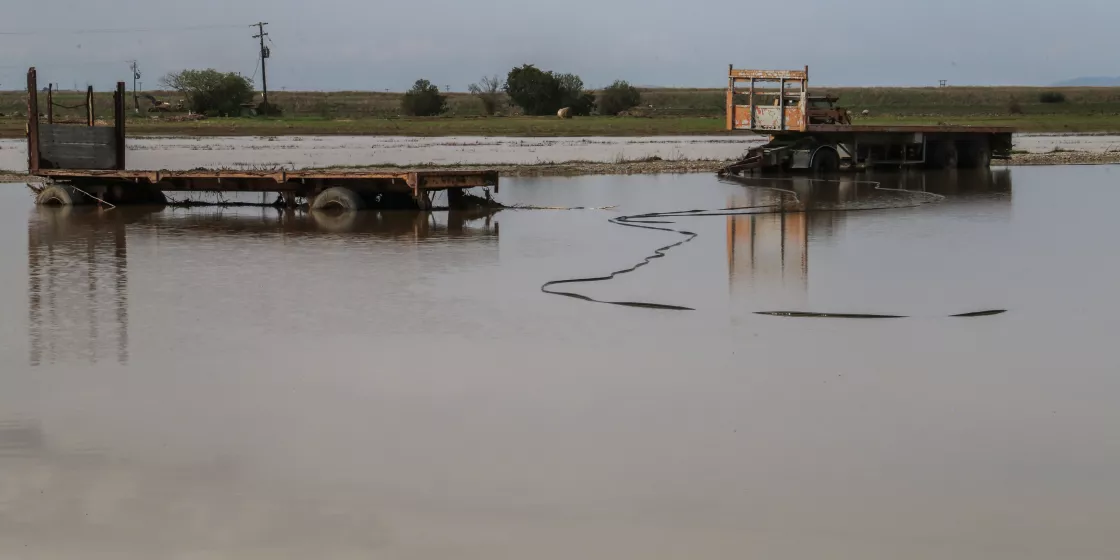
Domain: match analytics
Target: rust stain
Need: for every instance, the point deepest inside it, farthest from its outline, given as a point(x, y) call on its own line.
point(770, 74)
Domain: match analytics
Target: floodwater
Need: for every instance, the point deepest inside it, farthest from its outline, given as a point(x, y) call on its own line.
point(244, 383)
point(293, 152)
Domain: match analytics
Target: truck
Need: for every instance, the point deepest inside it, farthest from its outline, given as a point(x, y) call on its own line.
point(810, 133)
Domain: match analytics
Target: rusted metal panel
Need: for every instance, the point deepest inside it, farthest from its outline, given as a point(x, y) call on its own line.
point(435, 181)
point(770, 74)
point(731, 124)
point(77, 147)
point(767, 118)
point(795, 119)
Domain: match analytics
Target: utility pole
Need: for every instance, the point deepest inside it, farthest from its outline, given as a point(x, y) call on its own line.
point(264, 55)
point(135, 77)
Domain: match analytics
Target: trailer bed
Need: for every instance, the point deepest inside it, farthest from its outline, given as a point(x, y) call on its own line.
point(905, 129)
point(270, 180)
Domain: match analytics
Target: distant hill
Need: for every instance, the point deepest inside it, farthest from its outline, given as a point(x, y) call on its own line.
point(1091, 81)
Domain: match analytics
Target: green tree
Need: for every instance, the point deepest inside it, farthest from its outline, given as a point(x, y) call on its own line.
point(211, 92)
point(618, 97)
point(572, 94)
point(423, 100)
point(535, 91)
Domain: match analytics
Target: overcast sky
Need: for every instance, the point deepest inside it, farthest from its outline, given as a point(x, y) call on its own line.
point(377, 45)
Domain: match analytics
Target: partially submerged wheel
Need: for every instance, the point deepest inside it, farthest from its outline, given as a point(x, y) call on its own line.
point(60, 195)
point(943, 155)
point(975, 155)
point(338, 199)
point(825, 161)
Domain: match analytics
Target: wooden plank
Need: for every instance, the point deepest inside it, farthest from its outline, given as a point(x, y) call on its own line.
point(78, 156)
point(75, 134)
point(77, 147)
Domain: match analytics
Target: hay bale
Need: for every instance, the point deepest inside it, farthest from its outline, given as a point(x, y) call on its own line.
point(565, 113)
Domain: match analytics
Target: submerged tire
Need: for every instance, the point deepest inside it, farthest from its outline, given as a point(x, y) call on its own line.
point(143, 195)
point(975, 155)
point(338, 198)
point(945, 156)
point(60, 195)
point(155, 197)
point(825, 161)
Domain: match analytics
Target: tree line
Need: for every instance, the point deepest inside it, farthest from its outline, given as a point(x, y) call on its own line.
point(534, 91)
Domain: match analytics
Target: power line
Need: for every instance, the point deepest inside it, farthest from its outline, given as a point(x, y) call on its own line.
point(65, 64)
point(119, 30)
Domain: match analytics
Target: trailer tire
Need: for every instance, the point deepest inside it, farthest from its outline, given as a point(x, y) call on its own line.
point(945, 155)
point(60, 195)
point(825, 161)
point(976, 155)
point(338, 198)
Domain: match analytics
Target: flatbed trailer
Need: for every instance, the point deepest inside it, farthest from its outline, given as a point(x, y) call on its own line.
point(86, 163)
point(810, 133)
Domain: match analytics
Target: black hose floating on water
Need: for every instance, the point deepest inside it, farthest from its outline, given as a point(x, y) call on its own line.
point(654, 221)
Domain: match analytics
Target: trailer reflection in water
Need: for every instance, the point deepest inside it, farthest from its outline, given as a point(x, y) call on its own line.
point(768, 253)
point(79, 273)
point(77, 262)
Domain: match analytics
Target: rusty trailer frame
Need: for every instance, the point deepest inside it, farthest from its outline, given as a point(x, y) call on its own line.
point(92, 158)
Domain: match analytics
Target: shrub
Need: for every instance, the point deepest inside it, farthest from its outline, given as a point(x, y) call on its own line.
point(489, 91)
point(1052, 97)
point(423, 100)
point(269, 110)
point(211, 92)
point(544, 93)
point(618, 97)
point(572, 95)
point(1014, 107)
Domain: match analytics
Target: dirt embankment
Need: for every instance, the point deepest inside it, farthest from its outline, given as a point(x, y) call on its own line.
point(655, 165)
point(17, 178)
point(1064, 157)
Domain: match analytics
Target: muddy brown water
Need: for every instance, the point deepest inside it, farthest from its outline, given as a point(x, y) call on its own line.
point(243, 383)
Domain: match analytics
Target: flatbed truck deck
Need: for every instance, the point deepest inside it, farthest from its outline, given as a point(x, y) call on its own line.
point(810, 133)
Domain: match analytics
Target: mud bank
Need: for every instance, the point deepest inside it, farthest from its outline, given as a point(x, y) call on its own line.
point(656, 166)
point(294, 152)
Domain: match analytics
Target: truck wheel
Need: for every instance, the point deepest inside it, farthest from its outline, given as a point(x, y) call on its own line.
point(825, 161)
point(338, 198)
point(60, 195)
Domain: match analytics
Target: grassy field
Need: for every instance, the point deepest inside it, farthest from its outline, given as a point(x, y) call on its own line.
point(663, 112)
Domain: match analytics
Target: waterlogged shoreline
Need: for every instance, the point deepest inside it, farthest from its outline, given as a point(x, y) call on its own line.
point(659, 166)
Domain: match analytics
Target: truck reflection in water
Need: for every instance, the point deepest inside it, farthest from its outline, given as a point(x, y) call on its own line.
point(78, 260)
point(768, 254)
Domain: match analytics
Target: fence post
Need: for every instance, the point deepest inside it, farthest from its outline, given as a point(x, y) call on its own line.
point(32, 122)
point(50, 103)
point(89, 105)
point(118, 123)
